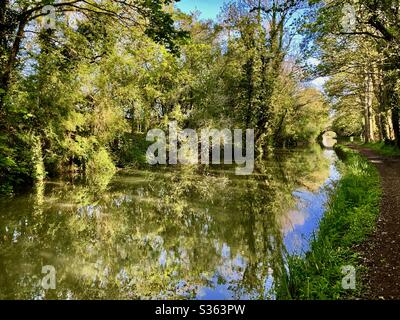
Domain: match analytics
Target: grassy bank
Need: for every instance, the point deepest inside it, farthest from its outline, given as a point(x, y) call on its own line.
point(383, 148)
point(351, 216)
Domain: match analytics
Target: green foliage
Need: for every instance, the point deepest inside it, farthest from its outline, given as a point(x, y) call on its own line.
point(350, 218)
point(100, 162)
point(302, 117)
point(16, 168)
point(131, 151)
point(100, 169)
point(76, 89)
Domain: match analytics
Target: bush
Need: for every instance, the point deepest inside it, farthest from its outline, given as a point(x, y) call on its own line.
point(100, 168)
point(16, 167)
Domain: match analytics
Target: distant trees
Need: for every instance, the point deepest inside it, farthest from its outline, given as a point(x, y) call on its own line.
point(363, 63)
point(261, 32)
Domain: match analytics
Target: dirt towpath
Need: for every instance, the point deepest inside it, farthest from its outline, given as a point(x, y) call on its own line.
point(381, 253)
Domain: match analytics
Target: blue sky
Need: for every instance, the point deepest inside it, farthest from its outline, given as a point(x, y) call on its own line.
point(208, 8)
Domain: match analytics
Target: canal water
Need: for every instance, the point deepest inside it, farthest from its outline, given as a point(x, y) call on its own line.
point(182, 233)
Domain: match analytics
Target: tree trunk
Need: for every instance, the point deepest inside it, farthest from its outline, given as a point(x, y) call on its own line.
point(9, 54)
point(379, 93)
point(389, 125)
point(3, 51)
point(396, 125)
point(369, 113)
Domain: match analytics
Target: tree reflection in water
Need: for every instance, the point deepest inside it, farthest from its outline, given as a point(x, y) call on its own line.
point(171, 233)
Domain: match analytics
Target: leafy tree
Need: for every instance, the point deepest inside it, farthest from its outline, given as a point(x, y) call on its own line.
point(369, 49)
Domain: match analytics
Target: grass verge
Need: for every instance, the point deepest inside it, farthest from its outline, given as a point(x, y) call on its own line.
point(383, 149)
point(350, 217)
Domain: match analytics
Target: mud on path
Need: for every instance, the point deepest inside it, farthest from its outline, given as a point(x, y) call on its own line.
point(381, 252)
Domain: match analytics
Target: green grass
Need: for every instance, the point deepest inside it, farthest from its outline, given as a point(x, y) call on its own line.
point(383, 148)
point(351, 216)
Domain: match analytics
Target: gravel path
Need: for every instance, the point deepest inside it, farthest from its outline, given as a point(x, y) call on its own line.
point(381, 253)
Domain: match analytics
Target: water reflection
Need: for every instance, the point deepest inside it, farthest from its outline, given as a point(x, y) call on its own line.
point(192, 233)
point(304, 220)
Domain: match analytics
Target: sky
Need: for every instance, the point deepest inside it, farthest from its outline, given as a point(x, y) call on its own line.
point(209, 8)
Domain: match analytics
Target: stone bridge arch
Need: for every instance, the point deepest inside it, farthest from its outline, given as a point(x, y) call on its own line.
point(328, 138)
